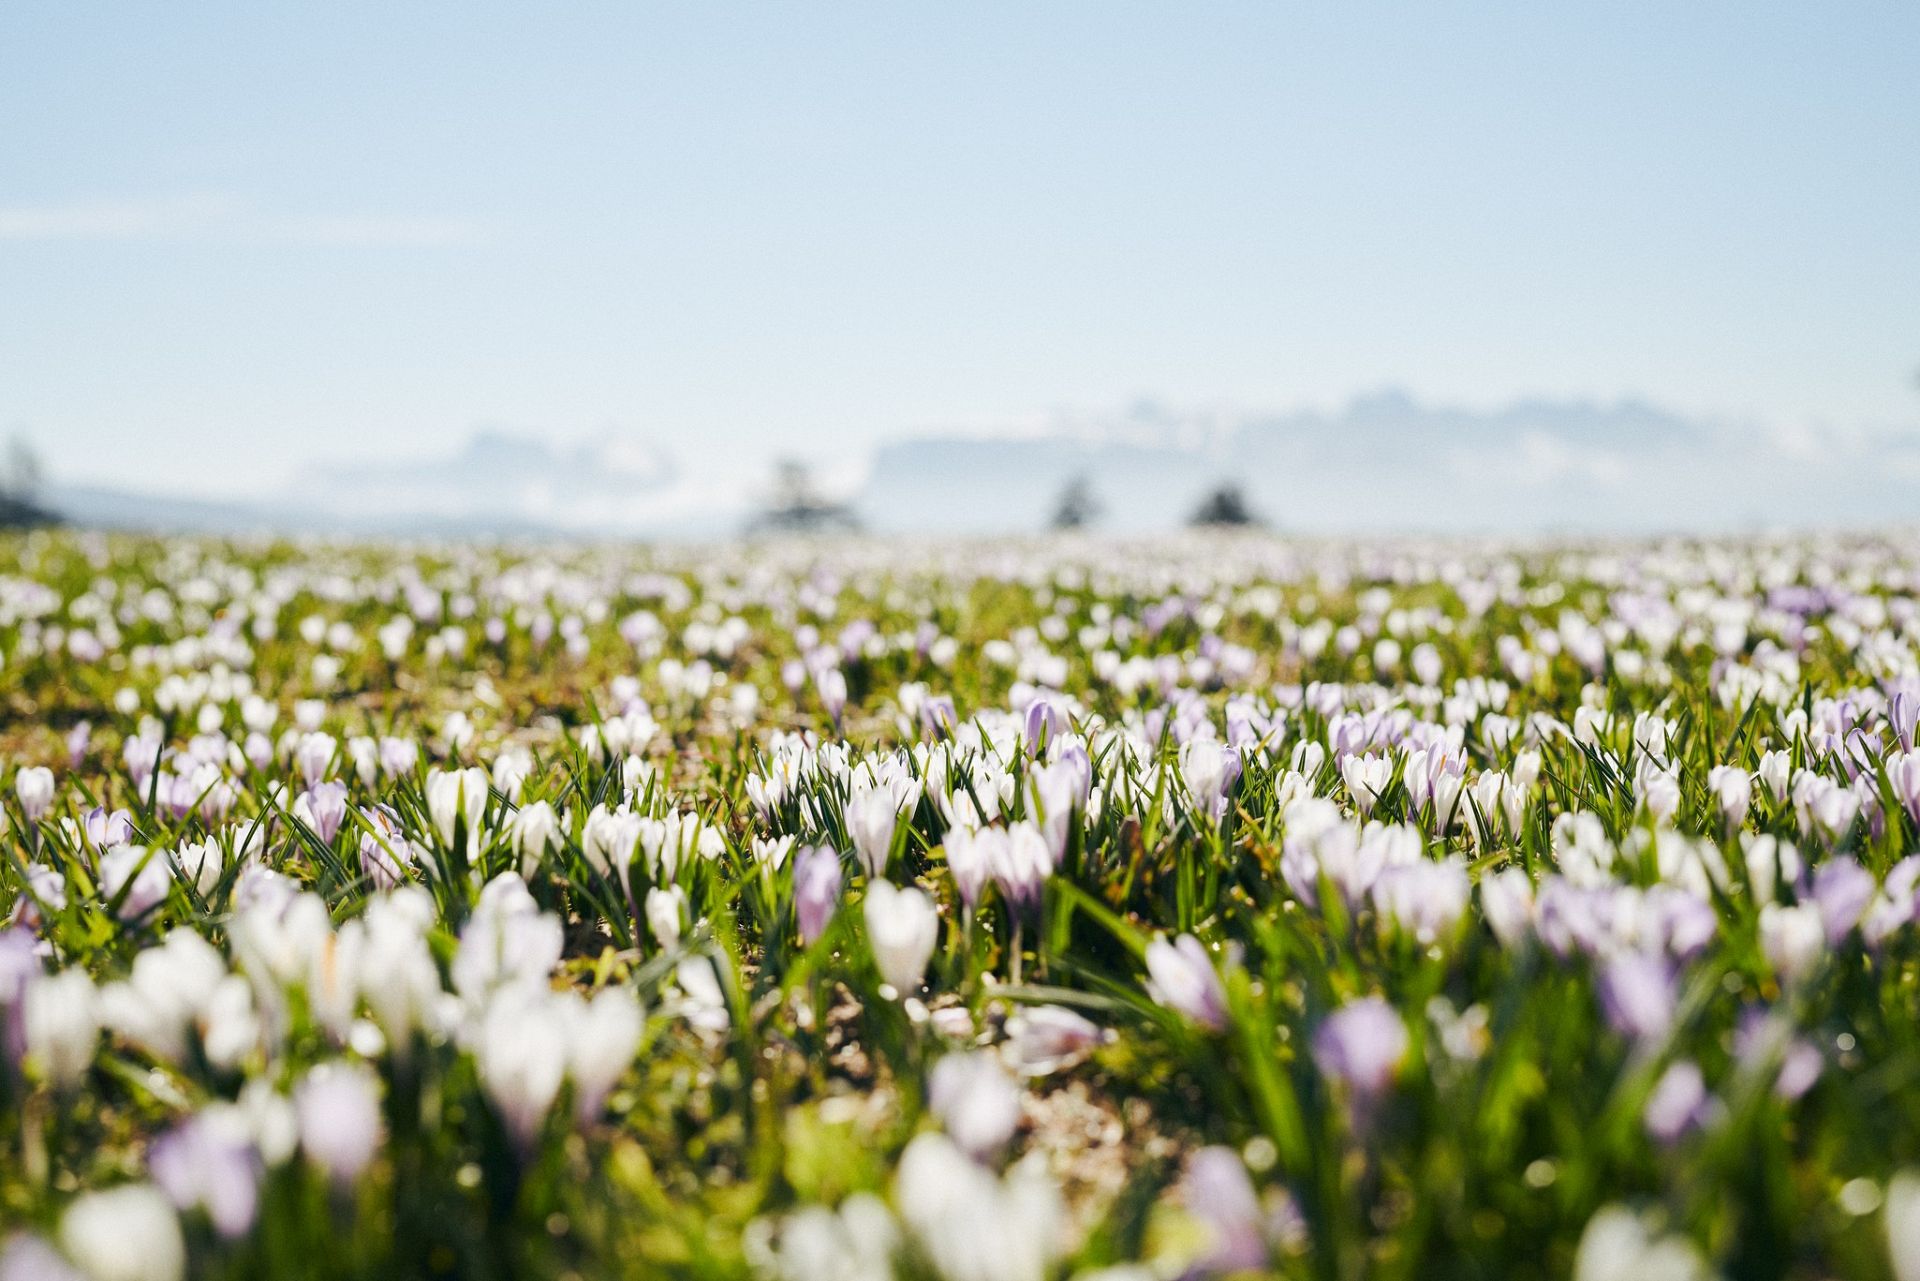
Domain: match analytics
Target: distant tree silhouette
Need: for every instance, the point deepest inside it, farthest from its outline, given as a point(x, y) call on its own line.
point(1077, 507)
point(1226, 506)
point(796, 507)
point(20, 481)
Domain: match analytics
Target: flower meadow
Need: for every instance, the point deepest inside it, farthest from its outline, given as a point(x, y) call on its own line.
point(1225, 905)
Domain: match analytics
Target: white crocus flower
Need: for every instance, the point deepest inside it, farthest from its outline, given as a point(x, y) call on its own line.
point(902, 925)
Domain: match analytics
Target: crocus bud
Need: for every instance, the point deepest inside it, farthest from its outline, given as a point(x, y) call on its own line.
point(1361, 1044)
point(871, 817)
point(1732, 791)
point(816, 891)
point(211, 1164)
point(1506, 900)
point(1216, 1191)
point(1023, 862)
point(338, 1106)
point(60, 1025)
point(386, 855)
point(666, 914)
point(34, 787)
point(1776, 769)
point(454, 796)
point(78, 739)
point(1637, 995)
point(1678, 1102)
point(602, 1036)
point(976, 1101)
point(536, 829)
point(1903, 1224)
point(1180, 976)
point(323, 808)
point(128, 1233)
point(313, 756)
point(1793, 940)
point(971, 855)
point(902, 926)
point(135, 879)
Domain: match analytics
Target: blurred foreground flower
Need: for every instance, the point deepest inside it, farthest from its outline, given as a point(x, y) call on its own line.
point(902, 926)
point(128, 1233)
point(1619, 1246)
point(1180, 976)
point(971, 1224)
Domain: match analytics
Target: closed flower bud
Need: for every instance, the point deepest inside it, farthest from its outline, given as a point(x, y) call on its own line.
point(34, 787)
point(1180, 976)
point(902, 926)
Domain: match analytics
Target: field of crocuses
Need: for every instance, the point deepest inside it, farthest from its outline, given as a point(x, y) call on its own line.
point(988, 912)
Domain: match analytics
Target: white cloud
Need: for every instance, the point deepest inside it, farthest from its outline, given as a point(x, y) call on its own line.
point(116, 219)
point(218, 216)
point(401, 233)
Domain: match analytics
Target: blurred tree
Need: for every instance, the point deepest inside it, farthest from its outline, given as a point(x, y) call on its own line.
point(797, 507)
point(20, 481)
point(1077, 507)
point(1227, 505)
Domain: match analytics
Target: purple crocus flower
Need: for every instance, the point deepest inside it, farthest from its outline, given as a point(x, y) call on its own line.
point(1842, 889)
point(323, 807)
point(1045, 720)
point(1766, 1042)
point(938, 716)
point(1215, 1189)
point(78, 739)
point(816, 891)
point(26, 1257)
point(1903, 710)
point(1678, 1103)
point(104, 830)
point(1637, 995)
point(1361, 1045)
point(19, 962)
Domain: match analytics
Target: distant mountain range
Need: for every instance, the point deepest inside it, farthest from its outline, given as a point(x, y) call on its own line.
point(1384, 462)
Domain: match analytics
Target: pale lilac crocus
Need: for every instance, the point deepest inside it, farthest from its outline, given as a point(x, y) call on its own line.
point(338, 1110)
point(1217, 1192)
point(1045, 1038)
point(971, 855)
point(208, 1163)
point(1638, 995)
point(34, 787)
point(1362, 1045)
point(1181, 976)
point(1793, 939)
point(1506, 901)
point(1842, 889)
point(134, 879)
point(1765, 1042)
point(104, 830)
point(323, 808)
point(1023, 862)
point(816, 891)
point(1678, 1103)
point(386, 856)
point(977, 1102)
point(125, 1233)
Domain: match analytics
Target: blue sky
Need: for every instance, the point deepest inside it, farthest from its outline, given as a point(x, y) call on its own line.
point(237, 237)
